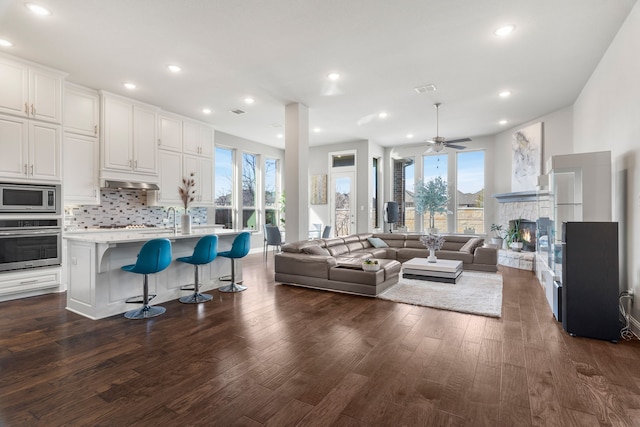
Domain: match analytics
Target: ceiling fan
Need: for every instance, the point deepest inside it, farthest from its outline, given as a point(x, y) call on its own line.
point(438, 143)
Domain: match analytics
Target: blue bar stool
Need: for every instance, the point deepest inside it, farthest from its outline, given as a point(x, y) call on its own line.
point(205, 251)
point(239, 249)
point(154, 256)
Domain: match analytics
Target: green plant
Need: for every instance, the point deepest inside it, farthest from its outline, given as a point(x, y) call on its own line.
point(497, 230)
point(283, 202)
point(370, 261)
point(431, 197)
point(514, 234)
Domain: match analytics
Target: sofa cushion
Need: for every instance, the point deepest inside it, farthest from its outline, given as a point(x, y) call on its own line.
point(471, 245)
point(377, 242)
point(297, 247)
point(315, 250)
point(336, 246)
point(394, 240)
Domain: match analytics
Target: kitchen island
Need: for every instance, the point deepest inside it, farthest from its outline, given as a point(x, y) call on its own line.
point(98, 288)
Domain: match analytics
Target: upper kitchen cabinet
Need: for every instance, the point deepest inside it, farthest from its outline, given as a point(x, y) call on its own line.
point(129, 135)
point(169, 132)
point(31, 150)
point(29, 90)
point(202, 170)
point(81, 110)
point(197, 138)
point(80, 178)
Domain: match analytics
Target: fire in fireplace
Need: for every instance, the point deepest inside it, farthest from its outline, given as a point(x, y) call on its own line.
point(527, 231)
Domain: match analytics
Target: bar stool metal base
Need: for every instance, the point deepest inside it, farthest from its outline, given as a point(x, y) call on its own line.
point(196, 298)
point(145, 312)
point(234, 287)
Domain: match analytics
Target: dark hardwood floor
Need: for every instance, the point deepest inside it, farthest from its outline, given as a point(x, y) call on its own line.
point(279, 355)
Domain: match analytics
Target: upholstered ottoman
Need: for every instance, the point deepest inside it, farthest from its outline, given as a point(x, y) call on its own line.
point(348, 276)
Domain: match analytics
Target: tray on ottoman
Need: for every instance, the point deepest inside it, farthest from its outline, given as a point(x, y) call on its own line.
point(443, 270)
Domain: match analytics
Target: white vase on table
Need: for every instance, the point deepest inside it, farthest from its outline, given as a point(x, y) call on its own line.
point(432, 256)
point(185, 223)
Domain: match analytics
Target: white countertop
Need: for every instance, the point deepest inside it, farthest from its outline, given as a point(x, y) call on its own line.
point(142, 235)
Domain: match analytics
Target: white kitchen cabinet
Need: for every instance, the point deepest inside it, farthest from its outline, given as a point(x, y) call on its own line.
point(81, 111)
point(31, 282)
point(129, 139)
point(80, 162)
point(30, 91)
point(170, 170)
point(202, 167)
point(31, 150)
point(197, 138)
point(169, 132)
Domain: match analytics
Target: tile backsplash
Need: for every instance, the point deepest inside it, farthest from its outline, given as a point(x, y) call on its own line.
point(125, 207)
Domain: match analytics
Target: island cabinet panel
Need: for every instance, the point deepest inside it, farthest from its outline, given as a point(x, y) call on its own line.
point(98, 287)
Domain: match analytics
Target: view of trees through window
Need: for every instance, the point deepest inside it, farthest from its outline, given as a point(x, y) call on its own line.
point(224, 187)
point(271, 191)
point(249, 188)
point(433, 166)
point(470, 192)
point(466, 190)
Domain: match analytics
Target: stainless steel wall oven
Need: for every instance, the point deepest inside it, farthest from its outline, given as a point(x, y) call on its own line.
point(30, 243)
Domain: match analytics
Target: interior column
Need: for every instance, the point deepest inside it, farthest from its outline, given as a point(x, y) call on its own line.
point(296, 174)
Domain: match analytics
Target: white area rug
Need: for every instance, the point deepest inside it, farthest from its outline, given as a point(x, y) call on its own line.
point(475, 293)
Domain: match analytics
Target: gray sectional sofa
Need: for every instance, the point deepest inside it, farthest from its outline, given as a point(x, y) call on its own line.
point(335, 264)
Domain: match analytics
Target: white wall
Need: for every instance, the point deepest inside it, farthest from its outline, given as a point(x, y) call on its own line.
point(606, 116)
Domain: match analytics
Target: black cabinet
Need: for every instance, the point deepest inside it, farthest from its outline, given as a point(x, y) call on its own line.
point(590, 279)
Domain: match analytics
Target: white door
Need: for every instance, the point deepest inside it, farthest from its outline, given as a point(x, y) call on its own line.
point(45, 151)
point(80, 177)
point(343, 203)
point(14, 146)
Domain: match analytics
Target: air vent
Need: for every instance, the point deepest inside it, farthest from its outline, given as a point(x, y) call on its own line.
point(237, 111)
point(425, 88)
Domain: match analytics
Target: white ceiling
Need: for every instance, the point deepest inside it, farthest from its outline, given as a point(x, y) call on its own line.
point(280, 51)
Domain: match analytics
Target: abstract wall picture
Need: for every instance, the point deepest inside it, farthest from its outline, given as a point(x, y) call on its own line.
point(526, 158)
point(318, 193)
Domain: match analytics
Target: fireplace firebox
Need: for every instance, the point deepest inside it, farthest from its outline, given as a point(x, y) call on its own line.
point(527, 230)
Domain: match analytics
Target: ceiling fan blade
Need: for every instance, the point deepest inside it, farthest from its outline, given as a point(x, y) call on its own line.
point(457, 147)
point(455, 141)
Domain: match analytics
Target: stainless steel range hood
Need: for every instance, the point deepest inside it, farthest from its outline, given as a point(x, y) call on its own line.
point(126, 185)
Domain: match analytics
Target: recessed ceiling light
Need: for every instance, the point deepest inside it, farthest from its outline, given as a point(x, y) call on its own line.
point(504, 31)
point(279, 136)
point(505, 94)
point(206, 111)
point(129, 85)
point(409, 135)
point(37, 9)
point(316, 130)
point(383, 115)
point(503, 122)
point(5, 43)
point(174, 68)
point(333, 76)
point(249, 100)
point(426, 88)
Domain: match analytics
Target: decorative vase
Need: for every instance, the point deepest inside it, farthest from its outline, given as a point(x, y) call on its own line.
point(516, 246)
point(497, 241)
point(186, 224)
point(432, 255)
point(370, 267)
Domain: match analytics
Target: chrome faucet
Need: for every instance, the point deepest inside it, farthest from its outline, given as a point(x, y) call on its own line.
point(175, 219)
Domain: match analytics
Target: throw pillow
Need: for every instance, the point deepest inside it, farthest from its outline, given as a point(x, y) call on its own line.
point(315, 250)
point(471, 245)
point(377, 242)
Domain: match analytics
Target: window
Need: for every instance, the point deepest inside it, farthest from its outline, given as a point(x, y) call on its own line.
point(249, 191)
point(224, 187)
point(271, 191)
point(470, 194)
point(434, 166)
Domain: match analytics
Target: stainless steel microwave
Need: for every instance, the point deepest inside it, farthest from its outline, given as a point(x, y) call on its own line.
point(26, 198)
